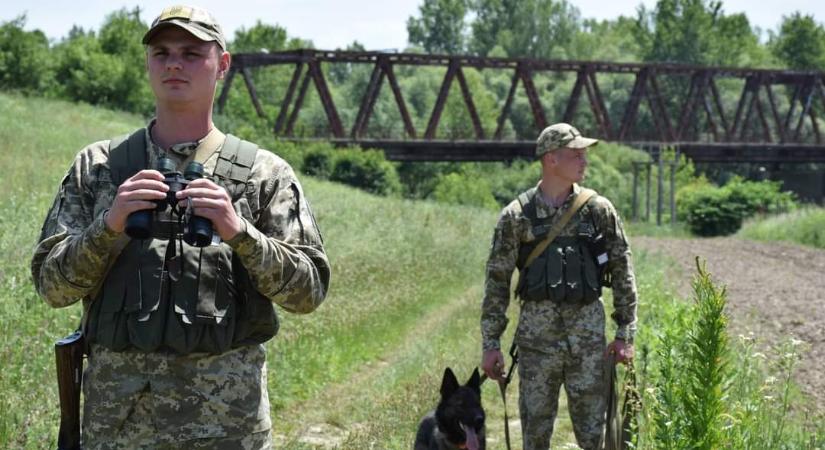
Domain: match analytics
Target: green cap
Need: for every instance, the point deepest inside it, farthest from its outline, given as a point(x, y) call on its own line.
point(561, 135)
point(199, 22)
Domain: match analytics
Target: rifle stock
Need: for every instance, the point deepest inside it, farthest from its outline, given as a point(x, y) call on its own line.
point(68, 354)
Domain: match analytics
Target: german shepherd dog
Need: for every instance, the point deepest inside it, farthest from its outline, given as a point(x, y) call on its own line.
point(458, 420)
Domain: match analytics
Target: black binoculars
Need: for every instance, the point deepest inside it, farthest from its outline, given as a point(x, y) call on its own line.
point(197, 231)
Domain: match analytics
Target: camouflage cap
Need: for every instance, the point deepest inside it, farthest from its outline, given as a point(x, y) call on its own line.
point(561, 135)
point(197, 21)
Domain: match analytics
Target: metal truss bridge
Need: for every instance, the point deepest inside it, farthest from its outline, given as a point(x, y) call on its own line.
point(711, 114)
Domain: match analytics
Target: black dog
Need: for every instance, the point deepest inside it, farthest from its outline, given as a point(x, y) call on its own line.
point(458, 420)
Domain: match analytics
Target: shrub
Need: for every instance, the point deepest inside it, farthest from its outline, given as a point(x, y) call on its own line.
point(319, 161)
point(366, 169)
point(763, 197)
point(715, 211)
point(465, 189)
point(710, 212)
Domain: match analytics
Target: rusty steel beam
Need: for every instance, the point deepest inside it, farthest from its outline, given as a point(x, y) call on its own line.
point(293, 83)
point(675, 118)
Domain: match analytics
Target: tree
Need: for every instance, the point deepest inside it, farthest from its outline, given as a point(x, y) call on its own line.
point(441, 27)
point(800, 43)
point(696, 32)
point(24, 57)
point(524, 28)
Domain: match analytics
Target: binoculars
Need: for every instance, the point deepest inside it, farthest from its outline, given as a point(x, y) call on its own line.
point(197, 231)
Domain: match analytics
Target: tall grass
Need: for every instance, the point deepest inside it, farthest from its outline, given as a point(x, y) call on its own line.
point(804, 226)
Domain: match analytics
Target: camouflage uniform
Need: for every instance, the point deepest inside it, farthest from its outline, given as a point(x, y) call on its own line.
point(559, 343)
point(149, 400)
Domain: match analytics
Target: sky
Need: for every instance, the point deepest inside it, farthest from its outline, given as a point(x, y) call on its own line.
point(330, 24)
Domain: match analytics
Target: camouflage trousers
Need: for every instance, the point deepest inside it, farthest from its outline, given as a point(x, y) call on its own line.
point(561, 345)
point(135, 400)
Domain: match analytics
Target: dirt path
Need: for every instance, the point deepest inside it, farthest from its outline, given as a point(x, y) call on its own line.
point(776, 290)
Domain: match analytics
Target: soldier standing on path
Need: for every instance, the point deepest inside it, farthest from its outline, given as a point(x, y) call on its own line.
point(561, 329)
point(174, 323)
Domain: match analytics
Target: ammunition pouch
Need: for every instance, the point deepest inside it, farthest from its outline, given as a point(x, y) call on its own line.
point(566, 272)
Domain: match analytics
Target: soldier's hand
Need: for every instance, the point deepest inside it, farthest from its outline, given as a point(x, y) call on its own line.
point(492, 363)
point(138, 192)
point(622, 350)
point(212, 202)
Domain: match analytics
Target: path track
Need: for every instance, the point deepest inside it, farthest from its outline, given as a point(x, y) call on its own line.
point(776, 290)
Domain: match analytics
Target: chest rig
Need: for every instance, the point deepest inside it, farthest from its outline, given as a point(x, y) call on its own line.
point(161, 294)
point(567, 271)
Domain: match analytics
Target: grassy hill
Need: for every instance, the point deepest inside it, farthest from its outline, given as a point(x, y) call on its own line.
point(362, 370)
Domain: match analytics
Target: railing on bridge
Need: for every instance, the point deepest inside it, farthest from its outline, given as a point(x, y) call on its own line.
point(774, 120)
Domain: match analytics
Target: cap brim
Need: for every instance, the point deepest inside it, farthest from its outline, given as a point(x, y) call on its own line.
point(193, 30)
point(582, 142)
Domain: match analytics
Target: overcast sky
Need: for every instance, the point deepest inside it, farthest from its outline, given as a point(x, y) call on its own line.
point(332, 24)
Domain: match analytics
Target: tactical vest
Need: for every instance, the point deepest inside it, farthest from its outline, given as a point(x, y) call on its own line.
point(567, 270)
point(163, 294)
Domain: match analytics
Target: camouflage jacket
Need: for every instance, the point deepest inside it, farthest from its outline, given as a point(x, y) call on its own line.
point(280, 245)
point(513, 230)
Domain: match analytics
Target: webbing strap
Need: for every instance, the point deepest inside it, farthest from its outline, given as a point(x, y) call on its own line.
point(235, 164)
point(581, 199)
point(127, 156)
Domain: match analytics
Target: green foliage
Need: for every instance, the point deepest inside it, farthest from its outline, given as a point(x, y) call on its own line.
point(708, 372)
point(710, 211)
point(108, 70)
point(524, 28)
point(760, 197)
point(695, 32)
point(805, 226)
point(25, 63)
point(465, 189)
point(441, 27)
point(366, 169)
point(800, 43)
point(713, 211)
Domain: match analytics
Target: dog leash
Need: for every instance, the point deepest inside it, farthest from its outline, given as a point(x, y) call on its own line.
point(502, 387)
point(619, 431)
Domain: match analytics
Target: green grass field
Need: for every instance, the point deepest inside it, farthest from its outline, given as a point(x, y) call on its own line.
point(361, 371)
point(804, 226)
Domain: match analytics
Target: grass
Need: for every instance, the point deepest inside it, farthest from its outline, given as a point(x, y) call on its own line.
point(805, 226)
point(363, 369)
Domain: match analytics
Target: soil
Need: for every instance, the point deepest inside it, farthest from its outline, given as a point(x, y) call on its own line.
point(775, 290)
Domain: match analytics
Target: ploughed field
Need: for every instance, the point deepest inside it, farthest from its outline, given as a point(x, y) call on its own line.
point(775, 290)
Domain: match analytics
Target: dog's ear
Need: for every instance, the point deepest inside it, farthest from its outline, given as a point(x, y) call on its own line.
point(449, 383)
point(475, 381)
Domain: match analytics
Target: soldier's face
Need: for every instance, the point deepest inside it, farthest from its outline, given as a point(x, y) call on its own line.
point(183, 70)
point(568, 164)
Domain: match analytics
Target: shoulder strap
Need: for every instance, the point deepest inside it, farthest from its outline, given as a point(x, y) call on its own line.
point(234, 165)
point(528, 208)
point(127, 155)
point(580, 200)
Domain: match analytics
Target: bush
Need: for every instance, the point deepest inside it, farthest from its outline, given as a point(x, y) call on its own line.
point(366, 169)
point(319, 161)
point(710, 212)
point(717, 211)
point(465, 189)
point(764, 197)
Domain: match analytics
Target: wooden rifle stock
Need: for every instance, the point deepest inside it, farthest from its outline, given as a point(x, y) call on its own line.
point(68, 354)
